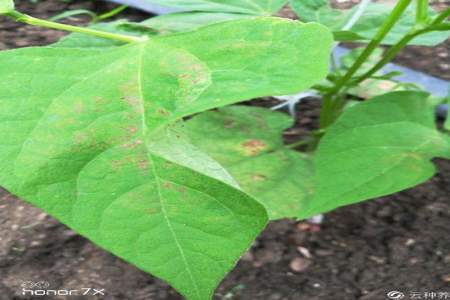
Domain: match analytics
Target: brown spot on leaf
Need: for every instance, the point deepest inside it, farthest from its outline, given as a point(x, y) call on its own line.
point(132, 145)
point(143, 164)
point(167, 185)
point(80, 138)
point(228, 123)
point(116, 164)
point(78, 108)
point(132, 129)
point(163, 112)
point(167, 165)
point(182, 190)
point(253, 147)
point(258, 177)
point(132, 101)
point(152, 210)
point(99, 100)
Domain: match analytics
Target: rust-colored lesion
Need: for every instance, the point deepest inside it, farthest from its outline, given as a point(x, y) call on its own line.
point(79, 108)
point(253, 147)
point(167, 185)
point(229, 123)
point(163, 112)
point(132, 145)
point(143, 164)
point(152, 210)
point(181, 190)
point(117, 164)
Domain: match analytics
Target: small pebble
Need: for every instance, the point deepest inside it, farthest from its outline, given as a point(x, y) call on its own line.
point(305, 226)
point(378, 260)
point(299, 264)
point(410, 242)
point(35, 243)
point(304, 251)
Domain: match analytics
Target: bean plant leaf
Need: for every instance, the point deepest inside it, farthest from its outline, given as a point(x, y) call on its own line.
point(376, 148)
point(6, 6)
point(173, 144)
point(369, 23)
point(252, 7)
point(82, 137)
point(247, 141)
point(185, 21)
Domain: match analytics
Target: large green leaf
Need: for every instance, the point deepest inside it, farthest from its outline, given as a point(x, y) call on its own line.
point(6, 6)
point(369, 23)
point(376, 148)
point(247, 141)
point(252, 7)
point(84, 136)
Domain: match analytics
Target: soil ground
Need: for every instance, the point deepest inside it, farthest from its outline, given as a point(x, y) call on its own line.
point(400, 242)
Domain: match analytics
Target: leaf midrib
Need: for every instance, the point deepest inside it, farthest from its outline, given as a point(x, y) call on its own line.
point(155, 172)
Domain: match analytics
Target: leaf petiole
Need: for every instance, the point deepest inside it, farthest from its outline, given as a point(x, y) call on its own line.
point(111, 13)
point(23, 18)
point(441, 17)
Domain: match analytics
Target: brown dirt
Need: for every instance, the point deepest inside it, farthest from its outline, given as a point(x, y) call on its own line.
point(399, 242)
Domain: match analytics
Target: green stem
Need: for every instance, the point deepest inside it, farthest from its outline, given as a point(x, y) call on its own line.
point(19, 17)
point(111, 13)
point(326, 111)
point(421, 11)
point(380, 35)
point(441, 17)
point(440, 27)
point(395, 49)
point(390, 54)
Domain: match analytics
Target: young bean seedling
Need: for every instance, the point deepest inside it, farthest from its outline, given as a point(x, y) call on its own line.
point(93, 128)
